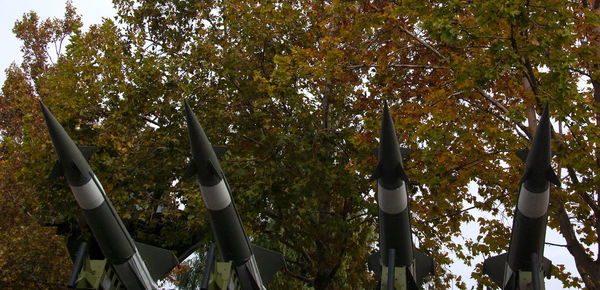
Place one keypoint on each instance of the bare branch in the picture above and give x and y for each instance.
(556, 245)
(494, 101)
(574, 246)
(502, 108)
(581, 72)
(588, 199)
(251, 139)
(451, 214)
(299, 277)
(400, 65)
(288, 259)
(421, 41)
(508, 122)
(150, 121)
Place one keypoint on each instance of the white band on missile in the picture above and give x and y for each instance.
(392, 201)
(215, 197)
(88, 196)
(531, 204)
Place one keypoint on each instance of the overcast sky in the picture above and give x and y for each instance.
(92, 12)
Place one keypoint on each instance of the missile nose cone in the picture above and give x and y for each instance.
(204, 159)
(189, 114)
(389, 170)
(76, 169)
(388, 142)
(540, 153)
(51, 122)
(543, 130)
(538, 162)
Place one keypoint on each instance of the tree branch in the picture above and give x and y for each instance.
(150, 121)
(588, 199)
(288, 244)
(421, 41)
(300, 277)
(502, 108)
(581, 72)
(251, 139)
(494, 101)
(401, 65)
(556, 245)
(451, 214)
(582, 260)
(293, 261)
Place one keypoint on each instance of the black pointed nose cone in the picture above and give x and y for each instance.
(540, 155)
(76, 169)
(390, 158)
(204, 158)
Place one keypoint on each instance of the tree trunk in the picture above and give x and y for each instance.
(587, 268)
(531, 118)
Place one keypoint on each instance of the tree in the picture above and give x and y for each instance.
(509, 58)
(294, 89)
(94, 88)
(31, 256)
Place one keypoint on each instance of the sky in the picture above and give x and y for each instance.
(92, 12)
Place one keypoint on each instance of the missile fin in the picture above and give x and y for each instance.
(190, 250)
(401, 173)
(79, 167)
(522, 154)
(525, 176)
(535, 277)
(494, 268)
(377, 172)
(404, 151)
(58, 171)
(374, 264)
(158, 260)
(190, 171)
(220, 150)
(213, 169)
(551, 175)
(269, 262)
(511, 283)
(547, 267)
(87, 151)
(423, 266)
(391, 269)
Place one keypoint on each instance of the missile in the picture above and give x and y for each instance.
(524, 265)
(112, 237)
(404, 266)
(253, 265)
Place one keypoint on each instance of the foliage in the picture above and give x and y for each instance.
(508, 58)
(294, 89)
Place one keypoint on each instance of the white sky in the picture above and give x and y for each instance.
(92, 12)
